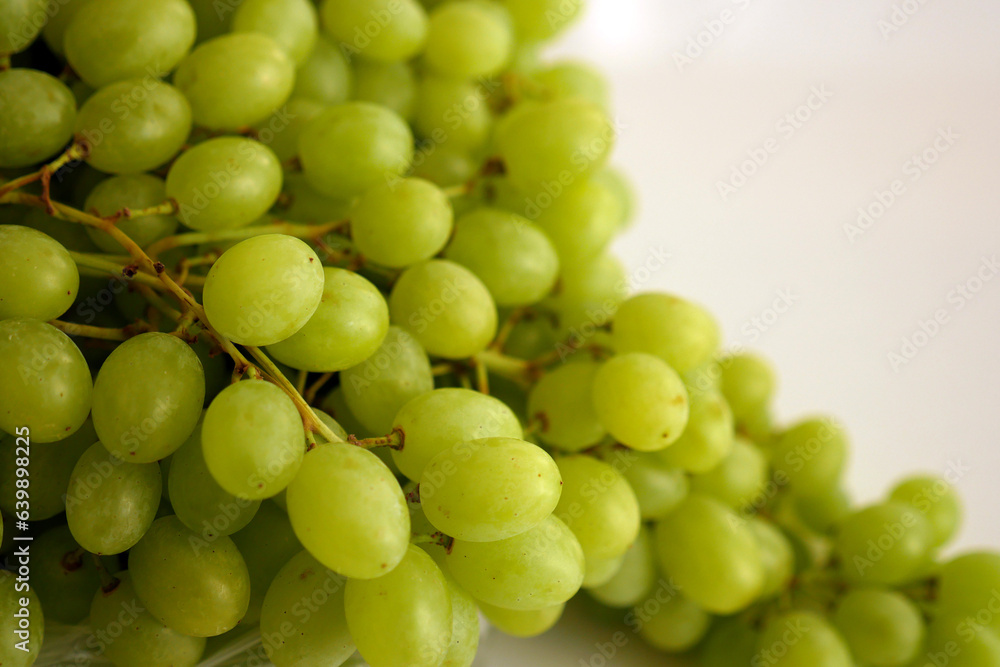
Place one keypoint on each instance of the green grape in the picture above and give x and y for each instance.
(64, 576)
(47, 386)
(211, 22)
(618, 183)
(193, 587)
(523, 624)
(708, 438)
(54, 29)
(349, 325)
(435, 421)
(802, 639)
(588, 295)
(377, 388)
(264, 289)
(811, 456)
(468, 39)
(446, 167)
(580, 222)
(111, 503)
(969, 584)
(252, 439)
(560, 402)
(540, 20)
(303, 621)
(731, 641)
(574, 80)
(534, 570)
(22, 21)
(553, 142)
(824, 512)
(12, 596)
(513, 257)
(641, 401)
(224, 183)
(678, 331)
(49, 468)
(712, 555)
(390, 85)
(148, 397)
(401, 223)
(446, 307)
(884, 544)
(38, 278)
(937, 500)
(280, 131)
(129, 636)
(598, 505)
(748, 382)
(777, 557)
(600, 571)
(267, 543)
(136, 191)
(354, 146)
(331, 502)
(308, 205)
(674, 626)
(960, 642)
(324, 74)
(452, 112)
(658, 487)
(380, 30)
(882, 628)
(738, 480)
(403, 617)
(38, 114)
(235, 80)
(489, 489)
(464, 641)
(292, 24)
(153, 131)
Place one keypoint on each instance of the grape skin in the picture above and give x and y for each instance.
(38, 118)
(38, 278)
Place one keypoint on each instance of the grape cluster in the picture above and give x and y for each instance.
(309, 322)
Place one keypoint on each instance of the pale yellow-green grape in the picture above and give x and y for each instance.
(309, 205)
(38, 278)
(446, 166)
(574, 79)
(126, 633)
(349, 325)
(598, 505)
(561, 405)
(936, 499)
(739, 481)
(435, 421)
(266, 543)
(391, 85)
(489, 489)
(468, 39)
(446, 307)
(681, 333)
(618, 183)
(673, 626)
(302, 621)
(252, 439)
(377, 388)
(354, 146)
(54, 29)
(115, 40)
(235, 80)
(148, 397)
(802, 639)
(777, 556)
(404, 617)
(641, 401)
(976, 645)
(224, 183)
(280, 131)
(153, 131)
(881, 627)
(555, 141)
(635, 578)
(47, 386)
(884, 544)
(810, 456)
(400, 223)
(523, 624)
(12, 594)
(587, 296)
(823, 513)
(195, 587)
(380, 30)
(325, 74)
(512, 256)
(658, 487)
(464, 640)
(38, 117)
(711, 554)
(600, 571)
(969, 583)
(534, 570)
(135, 191)
(264, 289)
(748, 383)
(22, 20)
(331, 503)
(63, 575)
(49, 468)
(540, 20)
(292, 24)
(581, 220)
(452, 113)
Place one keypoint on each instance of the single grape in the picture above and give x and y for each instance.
(445, 166)
(884, 544)
(802, 639)
(581, 222)
(380, 30)
(38, 278)
(435, 421)
(235, 80)
(673, 626)
(292, 24)
(252, 439)
(22, 21)
(748, 383)
(325, 75)
(739, 480)
(264, 289)
(540, 20)
(613, 179)
(452, 113)
(64, 576)
(523, 624)
(224, 183)
(777, 556)
(267, 543)
(468, 39)
(47, 386)
(16, 597)
(811, 456)
(598, 505)
(600, 571)
(560, 402)
(936, 499)
(681, 333)
(135, 191)
(708, 438)
(54, 29)
(38, 114)
(635, 578)
(882, 628)
(969, 584)
(153, 131)
(588, 294)
(464, 640)
(391, 85)
(658, 487)
(570, 79)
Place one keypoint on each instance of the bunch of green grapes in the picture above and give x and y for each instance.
(311, 340)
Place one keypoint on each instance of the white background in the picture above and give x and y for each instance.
(684, 128)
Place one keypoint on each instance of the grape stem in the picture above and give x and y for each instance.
(108, 581)
(394, 440)
(169, 207)
(516, 370)
(159, 303)
(515, 317)
(198, 238)
(108, 267)
(76, 152)
(314, 388)
(101, 333)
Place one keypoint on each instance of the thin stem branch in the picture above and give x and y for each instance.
(286, 228)
(300, 383)
(101, 333)
(314, 388)
(395, 440)
(107, 267)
